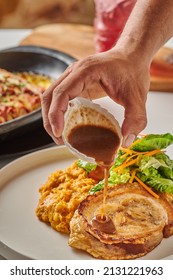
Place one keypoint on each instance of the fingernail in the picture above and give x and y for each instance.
(129, 139)
(55, 131)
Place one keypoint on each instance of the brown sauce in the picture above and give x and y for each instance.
(97, 142)
(106, 176)
(103, 224)
(101, 144)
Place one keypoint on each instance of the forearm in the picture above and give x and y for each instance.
(149, 26)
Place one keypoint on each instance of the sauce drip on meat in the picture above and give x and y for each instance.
(101, 144)
(103, 224)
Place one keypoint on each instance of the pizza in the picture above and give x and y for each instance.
(20, 93)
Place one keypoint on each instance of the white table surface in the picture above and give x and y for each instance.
(159, 104)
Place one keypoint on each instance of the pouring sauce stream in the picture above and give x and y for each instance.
(100, 143)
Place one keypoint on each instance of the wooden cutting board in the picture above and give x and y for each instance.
(74, 39)
(78, 41)
(162, 70)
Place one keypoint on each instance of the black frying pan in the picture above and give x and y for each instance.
(36, 59)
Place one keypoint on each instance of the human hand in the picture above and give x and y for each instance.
(123, 78)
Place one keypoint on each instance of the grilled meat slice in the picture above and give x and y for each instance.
(139, 222)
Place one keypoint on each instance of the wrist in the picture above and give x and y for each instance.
(134, 49)
(133, 52)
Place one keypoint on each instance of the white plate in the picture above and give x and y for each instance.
(22, 235)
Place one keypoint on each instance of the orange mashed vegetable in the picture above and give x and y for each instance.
(61, 194)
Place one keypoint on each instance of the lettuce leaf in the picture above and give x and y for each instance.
(158, 164)
(97, 187)
(154, 179)
(113, 180)
(118, 160)
(116, 178)
(166, 170)
(161, 184)
(152, 142)
(145, 162)
(154, 170)
(86, 165)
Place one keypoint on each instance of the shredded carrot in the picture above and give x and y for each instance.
(131, 157)
(138, 140)
(124, 165)
(134, 143)
(146, 187)
(124, 149)
(134, 153)
(128, 163)
(151, 153)
(132, 176)
(130, 160)
(125, 155)
(117, 168)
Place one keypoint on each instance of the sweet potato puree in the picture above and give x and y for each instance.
(61, 195)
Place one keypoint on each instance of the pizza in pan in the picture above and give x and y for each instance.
(20, 93)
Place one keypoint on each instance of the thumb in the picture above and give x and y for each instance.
(134, 122)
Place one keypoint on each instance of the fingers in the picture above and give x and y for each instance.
(135, 121)
(55, 101)
(72, 83)
(69, 88)
(46, 100)
(76, 80)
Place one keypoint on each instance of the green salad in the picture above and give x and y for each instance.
(145, 161)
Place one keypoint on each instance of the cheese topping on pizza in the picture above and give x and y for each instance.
(20, 94)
